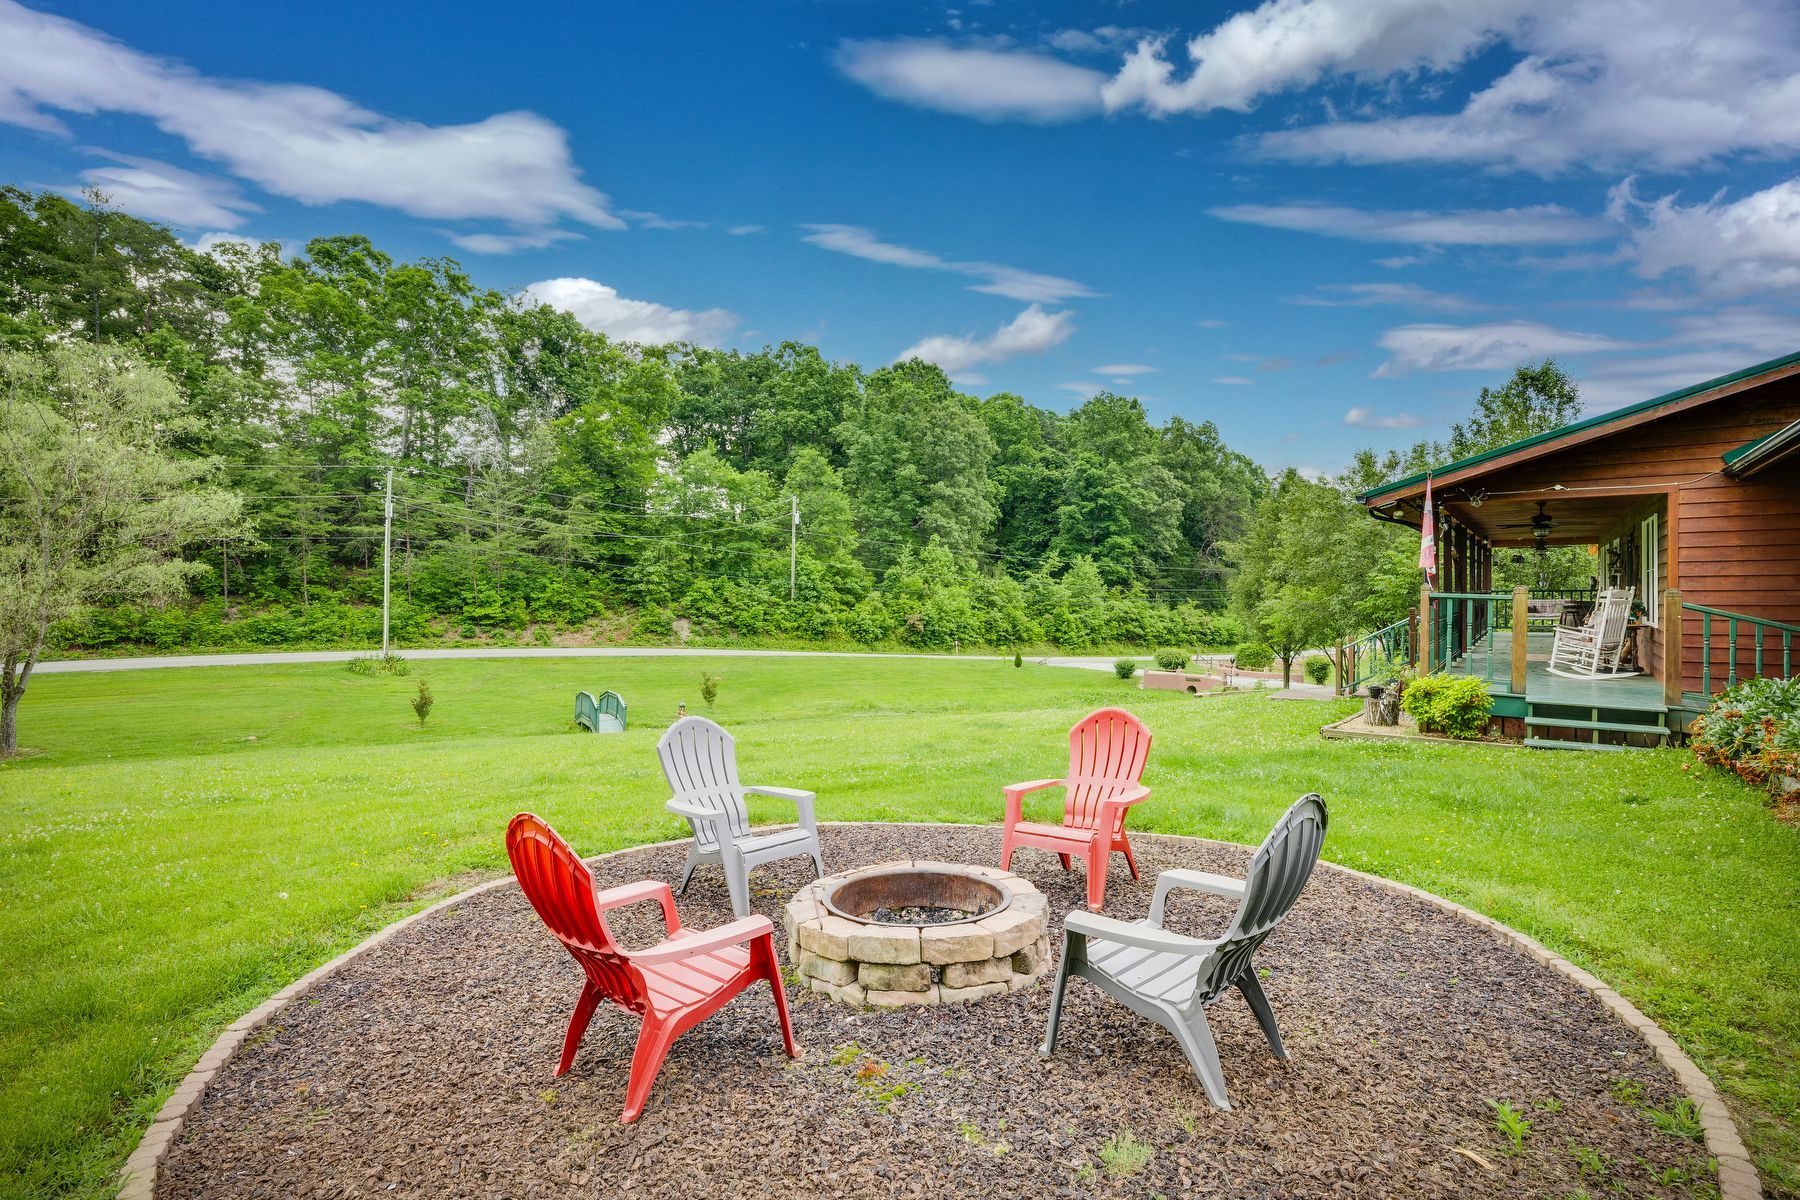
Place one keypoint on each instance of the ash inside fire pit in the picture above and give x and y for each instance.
(919, 914)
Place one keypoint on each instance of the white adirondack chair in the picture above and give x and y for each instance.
(699, 759)
(1170, 977)
(1592, 650)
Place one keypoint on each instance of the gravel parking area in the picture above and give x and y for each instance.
(422, 1069)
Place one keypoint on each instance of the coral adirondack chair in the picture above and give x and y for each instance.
(699, 759)
(1107, 751)
(674, 985)
(1170, 977)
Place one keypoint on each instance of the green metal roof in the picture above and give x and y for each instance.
(1603, 419)
(1754, 455)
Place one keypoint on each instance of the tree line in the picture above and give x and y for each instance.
(552, 483)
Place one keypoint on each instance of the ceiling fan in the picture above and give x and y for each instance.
(1539, 524)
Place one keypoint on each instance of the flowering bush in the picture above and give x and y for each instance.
(1456, 705)
(1754, 730)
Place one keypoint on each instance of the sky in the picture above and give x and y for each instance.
(1320, 224)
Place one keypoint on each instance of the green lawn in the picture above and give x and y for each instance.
(161, 872)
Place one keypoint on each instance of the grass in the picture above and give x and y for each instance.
(185, 842)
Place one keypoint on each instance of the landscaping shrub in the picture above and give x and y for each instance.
(1318, 668)
(1124, 668)
(1253, 656)
(1754, 730)
(1171, 660)
(1455, 705)
(709, 687)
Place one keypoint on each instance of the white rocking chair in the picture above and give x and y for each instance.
(1592, 650)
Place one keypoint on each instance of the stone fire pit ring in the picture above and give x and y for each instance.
(844, 941)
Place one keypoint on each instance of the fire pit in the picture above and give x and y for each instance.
(918, 933)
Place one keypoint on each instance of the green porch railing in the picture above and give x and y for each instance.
(1460, 625)
(1370, 654)
(1760, 629)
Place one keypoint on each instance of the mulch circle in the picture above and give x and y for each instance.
(423, 1067)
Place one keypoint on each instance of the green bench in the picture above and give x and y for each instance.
(605, 715)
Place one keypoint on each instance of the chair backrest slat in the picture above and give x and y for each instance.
(1107, 752)
(1615, 614)
(561, 889)
(1278, 874)
(699, 759)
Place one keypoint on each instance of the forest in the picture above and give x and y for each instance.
(553, 486)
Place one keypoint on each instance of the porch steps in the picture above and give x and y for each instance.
(1542, 715)
(1610, 726)
(1557, 744)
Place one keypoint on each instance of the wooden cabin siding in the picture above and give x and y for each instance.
(1728, 544)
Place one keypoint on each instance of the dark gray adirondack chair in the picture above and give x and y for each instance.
(1171, 978)
(699, 759)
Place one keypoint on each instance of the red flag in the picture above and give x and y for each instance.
(1428, 539)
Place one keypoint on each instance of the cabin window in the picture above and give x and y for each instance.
(1649, 573)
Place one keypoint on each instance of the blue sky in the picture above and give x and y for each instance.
(1319, 223)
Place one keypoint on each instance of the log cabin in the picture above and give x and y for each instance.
(1691, 499)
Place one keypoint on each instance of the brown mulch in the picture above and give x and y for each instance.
(423, 1068)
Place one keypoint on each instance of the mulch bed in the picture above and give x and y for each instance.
(423, 1068)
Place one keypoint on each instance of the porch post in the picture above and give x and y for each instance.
(1672, 665)
(1425, 630)
(1520, 631)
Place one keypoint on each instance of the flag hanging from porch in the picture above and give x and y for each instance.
(1428, 539)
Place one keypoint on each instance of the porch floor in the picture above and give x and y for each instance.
(1490, 658)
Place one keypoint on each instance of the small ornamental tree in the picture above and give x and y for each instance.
(93, 507)
(422, 702)
(709, 687)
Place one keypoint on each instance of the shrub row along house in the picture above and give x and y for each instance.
(1690, 499)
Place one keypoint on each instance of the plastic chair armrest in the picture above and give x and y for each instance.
(1192, 881)
(1015, 797)
(697, 812)
(801, 798)
(735, 934)
(634, 893)
(1134, 933)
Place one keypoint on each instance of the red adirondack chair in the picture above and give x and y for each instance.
(674, 985)
(1107, 750)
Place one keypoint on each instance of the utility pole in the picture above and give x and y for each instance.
(793, 542)
(387, 556)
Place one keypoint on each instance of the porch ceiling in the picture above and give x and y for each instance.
(1576, 519)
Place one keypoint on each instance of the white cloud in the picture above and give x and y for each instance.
(1031, 332)
(1491, 346)
(650, 220)
(1211, 323)
(745, 230)
(305, 143)
(992, 84)
(157, 191)
(1370, 295)
(1288, 44)
(1368, 418)
(1536, 224)
(996, 279)
(603, 310)
(506, 243)
(1124, 369)
(1745, 245)
(1235, 380)
(1665, 83)
(1082, 387)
